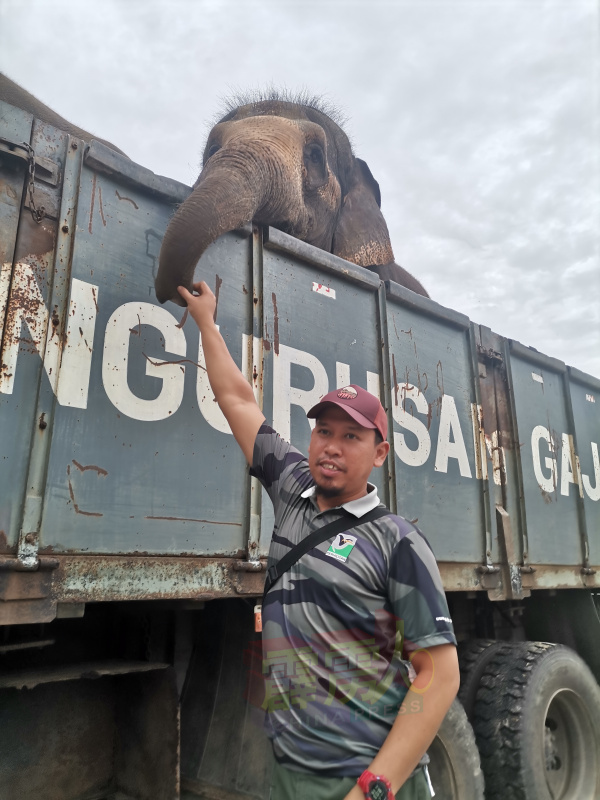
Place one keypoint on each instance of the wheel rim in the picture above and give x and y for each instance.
(441, 771)
(568, 748)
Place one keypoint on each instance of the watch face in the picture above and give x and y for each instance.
(378, 791)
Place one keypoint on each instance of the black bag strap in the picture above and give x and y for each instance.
(315, 538)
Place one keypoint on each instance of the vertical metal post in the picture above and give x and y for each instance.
(517, 450)
(583, 532)
(256, 379)
(485, 496)
(29, 538)
(386, 389)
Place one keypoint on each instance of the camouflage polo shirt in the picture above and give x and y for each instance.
(338, 626)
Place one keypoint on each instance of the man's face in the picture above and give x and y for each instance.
(341, 456)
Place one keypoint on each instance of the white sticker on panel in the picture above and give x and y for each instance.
(321, 289)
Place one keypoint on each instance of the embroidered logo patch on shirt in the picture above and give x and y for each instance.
(341, 547)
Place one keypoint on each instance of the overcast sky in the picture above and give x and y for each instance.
(479, 119)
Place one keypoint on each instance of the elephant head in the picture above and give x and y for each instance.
(288, 165)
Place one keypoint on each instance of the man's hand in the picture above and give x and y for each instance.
(437, 682)
(202, 305)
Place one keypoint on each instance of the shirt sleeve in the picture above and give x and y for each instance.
(272, 461)
(417, 595)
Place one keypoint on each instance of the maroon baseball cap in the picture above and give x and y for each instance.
(361, 405)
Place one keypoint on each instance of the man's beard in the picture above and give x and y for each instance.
(322, 491)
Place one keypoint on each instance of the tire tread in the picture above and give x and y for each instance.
(499, 716)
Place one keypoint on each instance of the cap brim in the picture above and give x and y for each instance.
(314, 412)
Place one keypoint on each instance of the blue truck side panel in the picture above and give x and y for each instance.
(117, 470)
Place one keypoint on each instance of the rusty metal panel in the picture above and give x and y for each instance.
(15, 126)
(585, 402)
(141, 459)
(320, 332)
(550, 483)
(83, 578)
(26, 289)
(437, 447)
(117, 466)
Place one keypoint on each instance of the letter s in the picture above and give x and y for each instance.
(417, 457)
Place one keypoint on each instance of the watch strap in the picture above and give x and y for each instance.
(366, 781)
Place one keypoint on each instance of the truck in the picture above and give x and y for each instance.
(133, 540)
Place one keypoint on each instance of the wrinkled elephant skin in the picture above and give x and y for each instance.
(289, 166)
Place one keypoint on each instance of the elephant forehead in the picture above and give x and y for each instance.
(339, 151)
(270, 108)
(295, 132)
(296, 112)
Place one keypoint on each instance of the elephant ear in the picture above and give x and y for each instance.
(361, 234)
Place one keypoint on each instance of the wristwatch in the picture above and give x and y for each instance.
(375, 787)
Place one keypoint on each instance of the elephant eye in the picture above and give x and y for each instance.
(314, 164)
(315, 155)
(214, 148)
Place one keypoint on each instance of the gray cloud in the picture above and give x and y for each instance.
(479, 120)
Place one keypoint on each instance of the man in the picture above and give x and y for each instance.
(357, 633)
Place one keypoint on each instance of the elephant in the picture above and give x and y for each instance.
(282, 161)
(15, 95)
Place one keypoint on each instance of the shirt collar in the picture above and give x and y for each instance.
(356, 507)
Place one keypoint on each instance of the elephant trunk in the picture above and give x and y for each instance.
(224, 198)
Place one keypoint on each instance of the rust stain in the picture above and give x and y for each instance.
(275, 324)
(3, 541)
(183, 319)
(440, 376)
(83, 468)
(26, 304)
(178, 361)
(100, 206)
(133, 331)
(244, 290)
(191, 519)
(55, 322)
(36, 240)
(128, 199)
(75, 506)
(395, 379)
(95, 299)
(92, 203)
(115, 577)
(218, 284)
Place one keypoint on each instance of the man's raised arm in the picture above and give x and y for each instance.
(231, 389)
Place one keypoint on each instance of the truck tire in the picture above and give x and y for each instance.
(454, 766)
(537, 724)
(473, 658)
